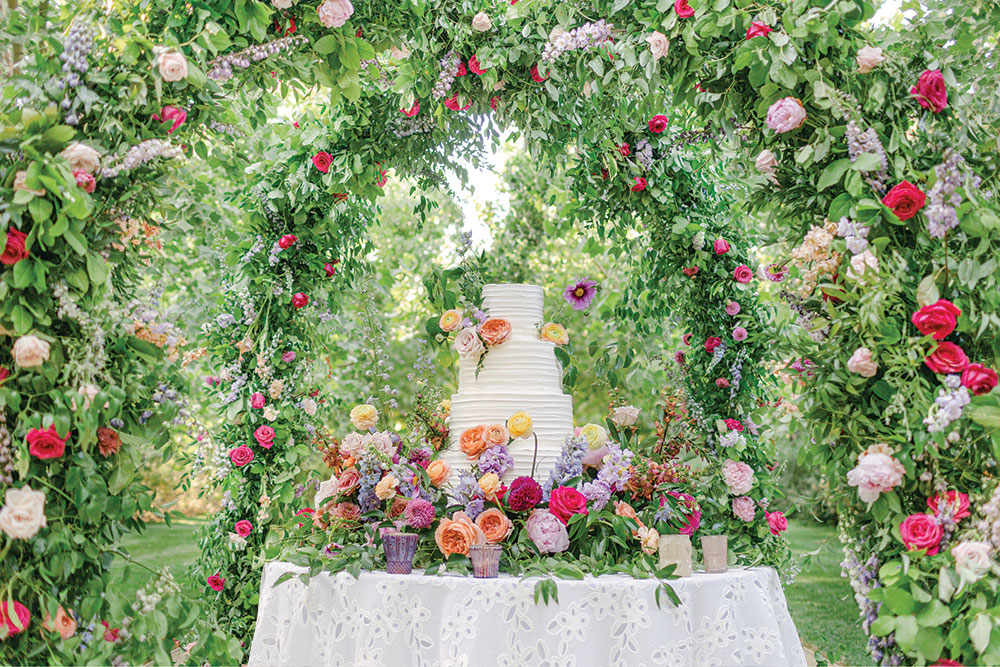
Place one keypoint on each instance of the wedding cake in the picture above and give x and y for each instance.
(519, 375)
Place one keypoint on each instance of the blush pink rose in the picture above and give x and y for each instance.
(921, 531)
(257, 400)
(334, 13)
(738, 477)
(875, 474)
(348, 481)
(744, 508)
(785, 115)
(566, 501)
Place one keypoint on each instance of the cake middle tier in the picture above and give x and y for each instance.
(527, 363)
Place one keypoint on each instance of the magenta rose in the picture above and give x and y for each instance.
(733, 424)
(287, 241)
(322, 160)
(640, 184)
(979, 379)
(683, 9)
(240, 456)
(566, 501)
(905, 200)
(46, 444)
(216, 583)
(758, 29)
(547, 532)
(777, 522)
(243, 528)
(171, 114)
(711, 343)
(947, 358)
(657, 123)
(930, 91)
(721, 246)
(264, 436)
(921, 531)
(937, 319)
(257, 401)
(299, 300)
(743, 274)
(7, 620)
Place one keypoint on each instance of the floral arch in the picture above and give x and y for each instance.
(679, 125)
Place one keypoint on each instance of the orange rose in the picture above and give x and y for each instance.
(439, 471)
(495, 525)
(472, 442)
(624, 509)
(64, 624)
(495, 330)
(490, 484)
(496, 435)
(457, 534)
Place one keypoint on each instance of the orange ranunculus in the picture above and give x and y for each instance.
(439, 471)
(495, 525)
(472, 443)
(496, 435)
(624, 509)
(457, 534)
(495, 330)
(64, 624)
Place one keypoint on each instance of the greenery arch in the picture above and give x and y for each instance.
(714, 70)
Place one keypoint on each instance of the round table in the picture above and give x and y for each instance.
(738, 618)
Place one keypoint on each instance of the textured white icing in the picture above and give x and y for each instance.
(522, 374)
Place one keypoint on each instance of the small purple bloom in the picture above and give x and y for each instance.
(496, 460)
(739, 333)
(288, 357)
(581, 294)
(331, 549)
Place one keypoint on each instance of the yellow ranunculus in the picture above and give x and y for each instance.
(519, 425)
(364, 416)
(445, 407)
(595, 435)
(555, 333)
(450, 320)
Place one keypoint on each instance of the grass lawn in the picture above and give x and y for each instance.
(175, 546)
(821, 601)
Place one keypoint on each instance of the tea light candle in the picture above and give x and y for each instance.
(715, 552)
(676, 549)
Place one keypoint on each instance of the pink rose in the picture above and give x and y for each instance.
(744, 508)
(733, 424)
(875, 474)
(732, 308)
(721, 246)
(640, 184)
(738, 476)
(348, 511)
(979, 379)
(683, 9)
(240, 456)
(287, 241)
(566, 501)
(85, 181)
(334, 13)
(171, 113)
(243, 528)
(264, 436)
(257, 400)
(216, 583)
(330, 270)
(947, 358)
(657, 123)
(322, 160)
(743, 274)
(547, 532)
(722, 383)
(412, 111)
(536, 75)
(930, 91)
(348, 481)
(739, 333)
(861, 362)
(785, 115)
(299, 300)
(937, 319)
(958, 502)
(6, 617)
(758, 29)
(776, 521)
(921, 531)
(15, 250)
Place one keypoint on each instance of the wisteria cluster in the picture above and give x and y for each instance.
(142, 153)
(449, 70)
(854, 233)
(644, 154)
(859, 142)
(943, 198)
(7, 473)
(76, 47)
(583, 37)
(405, 127)
(221, 68)
(467, 492)
(948, 405)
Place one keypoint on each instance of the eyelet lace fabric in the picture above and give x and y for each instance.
(738, 618)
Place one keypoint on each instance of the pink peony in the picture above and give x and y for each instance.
(743, 274)
(566, 501)
(875, 473)
(243, 528)
(739, 333)
(547, 532)
(744, 508)
(334, 13)
(721, 246)
(732, 308)
(738, 477)
(776, 521)
(921, 531)
(785, 115)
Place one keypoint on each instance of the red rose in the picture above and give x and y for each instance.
(690, 271)
(721, 246)
(4, 373)
(979, 379)
(287, 241)
(565, 502)
(743, 274)
(413, 110)
(452, 103)
(683, 9)
(240, 456)
(921, 531)
(777, 522)
(494, 101)
(322, 160)
(535, 76)
(905, 200)
(711, 343)
(330, 269)
(243, 528)
(657, 123)
(758, 29)
(15, 249)
(947, 358)
(686, 338)
(938, 319)
(46, 444)
(930, 91)
(733, 424)
(475, 67)
(85, 181)
(958, 502)
(299, 300)
(625, 150)
(640, 184)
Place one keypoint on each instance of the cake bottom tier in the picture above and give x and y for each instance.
(551, 414)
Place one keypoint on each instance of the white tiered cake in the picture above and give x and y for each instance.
(522, 374)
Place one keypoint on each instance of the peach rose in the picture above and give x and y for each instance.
(439, 471)
(471, 442)
(30, 351)
(496, 435)
(81, 157)
(457, 534)
(495, 330)
(64, 623)
(490, 484)
(626, 510)
(386, 487)
(495, 525)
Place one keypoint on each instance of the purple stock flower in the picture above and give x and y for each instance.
(581, 294)
(496, 460)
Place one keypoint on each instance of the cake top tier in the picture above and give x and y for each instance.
(524, 303)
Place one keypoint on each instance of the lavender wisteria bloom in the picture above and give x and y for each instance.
(568, 465)
(583, 37)
(581, 293)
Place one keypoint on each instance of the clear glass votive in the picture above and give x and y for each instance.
(485, 561)
(676, 549)
(399, 551)
(715, 552)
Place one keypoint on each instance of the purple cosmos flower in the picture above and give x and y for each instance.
(581, 294)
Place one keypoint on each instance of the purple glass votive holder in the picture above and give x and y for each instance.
(485, 561)
(399, 551)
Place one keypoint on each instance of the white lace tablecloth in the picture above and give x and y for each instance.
(725, 620)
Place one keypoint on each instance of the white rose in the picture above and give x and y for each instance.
(467, 344)
(20, 183)
(658, 44)
(327, 489)
(481, 22)
(309, 405)
(380, 441)
(860, 265)
(868, 58)
(972, 560)
(173, 66)
(282, 4)
(399, 52)
(625, 415)
(30, 351)
(352, 444)
(334, 13)
(82, 157)
(270, 414)
(23, 515)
